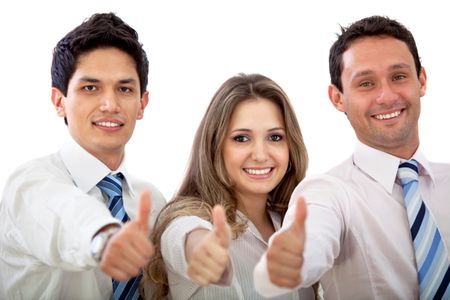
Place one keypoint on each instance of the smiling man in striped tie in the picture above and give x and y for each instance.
(75, 224)
(377, 225)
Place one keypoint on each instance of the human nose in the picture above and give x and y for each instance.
(110, 103)
(387, 95)
(259, 151)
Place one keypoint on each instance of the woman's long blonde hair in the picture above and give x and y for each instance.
(207, 183)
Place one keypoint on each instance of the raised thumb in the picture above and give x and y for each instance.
(144, 210)
(221, 227)
(298, 225)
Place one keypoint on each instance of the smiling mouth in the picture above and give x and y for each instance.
(392, 115)
(258, 171)
(108, 124)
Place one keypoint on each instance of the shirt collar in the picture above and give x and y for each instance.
(85, 169)
(274, 216)
(382, 167)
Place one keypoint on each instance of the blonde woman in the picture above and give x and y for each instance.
(247, 157)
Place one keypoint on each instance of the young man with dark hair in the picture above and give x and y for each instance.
(378, 224)
(73, 226)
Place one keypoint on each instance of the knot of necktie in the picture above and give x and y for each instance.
(408, 172)
(111, 185)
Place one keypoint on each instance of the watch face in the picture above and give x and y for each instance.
(98, 243)
(97, 246)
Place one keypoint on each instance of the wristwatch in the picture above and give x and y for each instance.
(99, 242)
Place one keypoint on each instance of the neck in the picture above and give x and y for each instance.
(254, 208)
(404, 153)
(112, 161)
(110, 157)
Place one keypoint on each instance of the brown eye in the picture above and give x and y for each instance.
(89, 88)
(275, 137)
(398, 77)
(126, 89)
(366, 84)
(240, 138)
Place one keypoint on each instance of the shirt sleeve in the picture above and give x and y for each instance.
(324, 226)
(173, 246)
(50, 219)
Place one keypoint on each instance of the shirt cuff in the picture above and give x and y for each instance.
(173, 241)
(91, 230)
(262, 282)
(173, 252)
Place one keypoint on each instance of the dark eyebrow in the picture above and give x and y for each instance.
(249, 130)
(95, 80)
(400, 66)
(362, 73)
(88, 79)
(393, 67)
(128, 80)
(276, 128)
(241, 129)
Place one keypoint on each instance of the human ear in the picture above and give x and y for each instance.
(57, 97)
(143, 103)
(336, 97)
(423, 82)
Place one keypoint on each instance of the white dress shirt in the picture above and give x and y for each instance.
(358, 241)
(50, 210)
(245, 252)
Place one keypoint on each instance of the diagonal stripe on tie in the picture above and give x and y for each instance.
(418, 221)
(114, 205)
(431, 258)
(112, 187)
(112, 184)
(443, 291)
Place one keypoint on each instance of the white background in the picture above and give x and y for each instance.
(193, 46)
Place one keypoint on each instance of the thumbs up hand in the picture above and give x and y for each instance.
(207, 251)
(130, 249)
(285, 253)
(143, 214)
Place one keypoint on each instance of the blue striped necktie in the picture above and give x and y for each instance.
(431, 258)
(112, 187)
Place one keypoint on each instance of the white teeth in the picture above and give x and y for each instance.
(257, 172)
(388, 116)
(107, 124)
